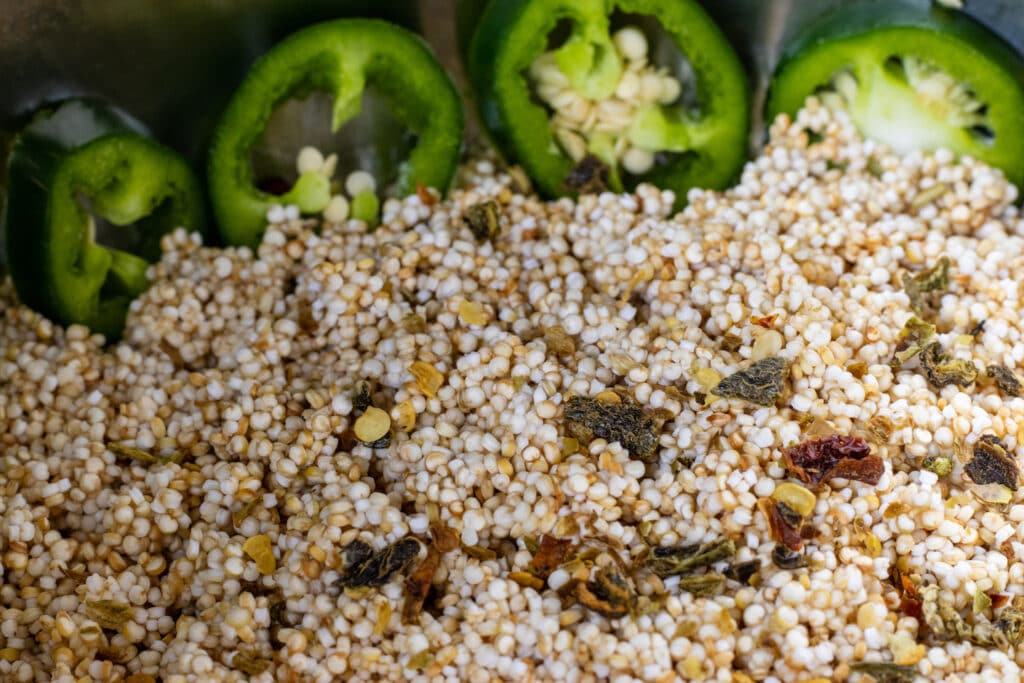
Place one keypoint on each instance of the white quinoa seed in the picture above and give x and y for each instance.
(246, 363)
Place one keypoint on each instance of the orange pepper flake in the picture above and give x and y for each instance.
(426, 195)
(767, 321)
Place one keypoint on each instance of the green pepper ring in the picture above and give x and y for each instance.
(337, 57)
(84, 147)
(512, 33)
(865, 35)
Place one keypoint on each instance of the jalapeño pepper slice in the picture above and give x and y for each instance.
(650, 88)
(912, 78)
(81, 161)
(339, 58)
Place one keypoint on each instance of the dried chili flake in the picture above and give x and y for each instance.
(674, 560)
(941, 369)
(444, 537)
(886, 672)
(551, 553)
(992, 464)
(606, 592)
(1005, 379)
(816, 461)
(760, 383)
(589, 176)
(911, 340)
(426, 194)
(780, 529)
(418, 583)
(587, 418)
(363, 567)
(766, 321)
(918, 286)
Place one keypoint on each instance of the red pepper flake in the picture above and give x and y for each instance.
(999, 600)
(816, 461)
(780, 530)
(910, 601)
(767, 321)
(551, 552)
(426, 195)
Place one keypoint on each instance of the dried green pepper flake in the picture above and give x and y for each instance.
(941, 465)
(886, 672)
(363, 567)
(124, 451)
(761, 383)
(558, 341)
(926, 197)
(249, 662)
(786, 558)
(420, 660)
(673, 560)
(482, 220)
(588, 418)
(702, 584)
(945, 622)
(109, 614)
(1005, 379)
(992, 464)
(414, 323)
(589, 176)
(911, 340)
(981, 602)
(731, 342)
(744, 572)
(875, 167)
(941, 369)
(916, 287)
(607, 592)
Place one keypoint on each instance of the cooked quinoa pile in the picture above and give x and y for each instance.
(423, 453)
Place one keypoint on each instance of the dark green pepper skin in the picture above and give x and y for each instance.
(336, 57)
(863, 35)
(512, 33)
(84, 149)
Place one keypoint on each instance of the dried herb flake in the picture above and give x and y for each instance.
(607, 592)
(1005, 379)
(675, 560)
(760, 383)
(109, 614)
(992, 464)
(551, 553)
(587, 418)
(886, 672)
(917, 287)
(703, 584)
(363, 567)
(589, 176)
(482, 220)
(941, 369)
(911, 340)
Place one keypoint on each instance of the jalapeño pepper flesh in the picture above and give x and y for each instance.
(691, 133)
(913, 78)
(79, 156)
(339, 58)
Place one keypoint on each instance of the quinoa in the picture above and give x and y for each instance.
(241, 376)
